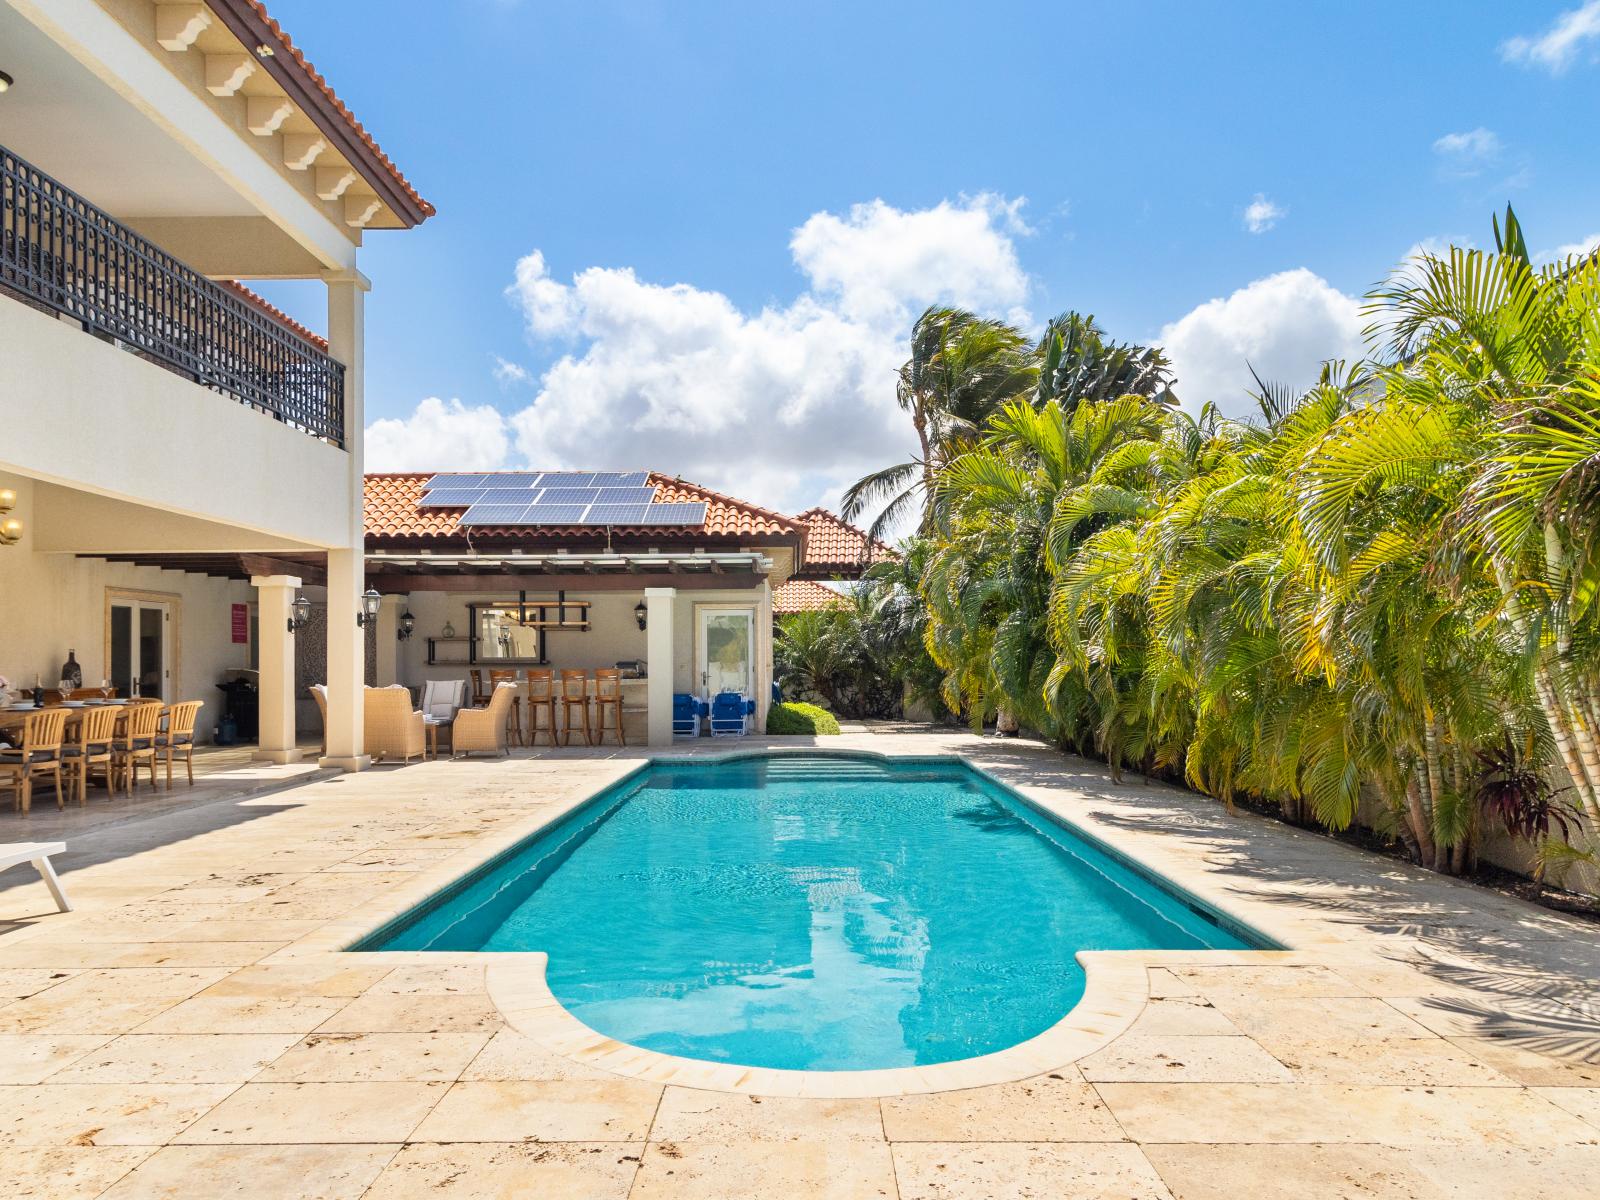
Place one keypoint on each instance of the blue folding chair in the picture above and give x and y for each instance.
(729, 713)
(686, 713)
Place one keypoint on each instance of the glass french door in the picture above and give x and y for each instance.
(726, 650)
(141, 648)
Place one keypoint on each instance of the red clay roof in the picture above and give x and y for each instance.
(392, 514)
(276, 313)
(251, 16)
(803, 595)
(836, 547)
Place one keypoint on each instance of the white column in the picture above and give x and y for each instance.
(763, 663)
(274, 596)
(347, 564)
(388, 663)
(659, 605)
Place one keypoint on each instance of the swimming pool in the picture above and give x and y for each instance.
(809, 911)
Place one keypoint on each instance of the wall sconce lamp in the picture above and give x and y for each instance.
(370, 603)
(302, 614)
(10, 528)
(5, 82)
(408, 626)
(640, 612)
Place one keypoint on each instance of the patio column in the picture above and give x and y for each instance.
(659, 612)
(347, 564)
(388, 651)
(274, 596)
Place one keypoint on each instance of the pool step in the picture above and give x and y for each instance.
(843, 771)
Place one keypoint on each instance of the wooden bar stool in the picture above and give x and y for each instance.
(480, 694)
(514, 717)
(91, 751)
(39, 754)
(608, 698)
(575, 695)
(541, 699)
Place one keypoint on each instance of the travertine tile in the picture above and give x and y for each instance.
(17, 982)
(273, 1113)
(378, 1012)
(377, 1057)
(1024, 1171)
(243, 1014)
(102, 1114)
(453, 980)
(844, 1170)
(689, 1114)
(1311, 1113)
(1181, 1059)
(47, 952)
(105, 1001)
(1536, 1061)
(1182, 1015)
(339, 977)
(32, 1057)
(510, 1055)
(1043, 1109)
(67, 1172)
(543, 1111)
(177, 1058)
(1323, 1172)
(1422, 1061)
(1582, 1102)
(1228, 982)
(251, 1172)
(1317, 1018)
(498, 1171)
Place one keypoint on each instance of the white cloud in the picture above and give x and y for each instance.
(785, 405)
(1284, 326)
(1467, 153)
(442, 435)
(1262, 214)
(507, 372)
(1557, 47)
(1579, 249)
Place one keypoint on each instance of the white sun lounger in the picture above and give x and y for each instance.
(38, 853)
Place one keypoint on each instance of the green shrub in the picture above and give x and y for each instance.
(801, 718)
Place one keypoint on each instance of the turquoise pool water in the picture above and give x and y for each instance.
(809, 911)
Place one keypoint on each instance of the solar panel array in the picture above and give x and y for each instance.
(558, 498)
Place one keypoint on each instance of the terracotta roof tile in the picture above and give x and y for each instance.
(836, 547)
(293, 54)
(392, 512)
(276, 313)
(803, 595)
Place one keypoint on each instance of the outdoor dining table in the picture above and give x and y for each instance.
(13, 719)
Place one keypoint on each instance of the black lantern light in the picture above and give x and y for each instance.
(408, 625)
(640, 612)
(370, 603)
(302, 614)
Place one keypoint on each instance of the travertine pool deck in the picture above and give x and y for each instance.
(191, 1030)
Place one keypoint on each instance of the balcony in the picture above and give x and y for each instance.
(62, 254)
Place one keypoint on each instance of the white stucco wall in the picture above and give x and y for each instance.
(52, 603)
(78, 411)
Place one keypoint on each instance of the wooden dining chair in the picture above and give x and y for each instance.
(541, 699)
(135, 740)
(90, 751)
(575, 695)
(39, 754)
(608, 698)
(480, 694)
(179, 737)
(514, 717)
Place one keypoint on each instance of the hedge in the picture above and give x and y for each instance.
(801, 718)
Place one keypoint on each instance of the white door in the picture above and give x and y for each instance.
(726, 650)
(141, 648)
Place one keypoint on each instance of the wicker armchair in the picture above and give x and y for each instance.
(484, 729)
(393, 728)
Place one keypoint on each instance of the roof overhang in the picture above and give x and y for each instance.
(597, 570)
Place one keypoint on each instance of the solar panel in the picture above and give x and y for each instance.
(625, 495)
(484, 513)
(567, 479)
(616, 514)
(676, 513)
(554, 514)
(604, 479)
(569, 495)
(457, 481)
(509, 495)
(451, 497)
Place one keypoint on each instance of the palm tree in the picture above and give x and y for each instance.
(1077, 363)
(962, 369)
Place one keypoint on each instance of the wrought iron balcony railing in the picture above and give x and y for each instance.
(63, 254)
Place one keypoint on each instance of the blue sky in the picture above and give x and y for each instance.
(1020, 158)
